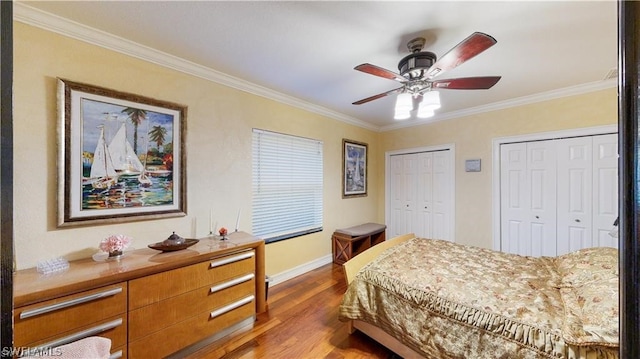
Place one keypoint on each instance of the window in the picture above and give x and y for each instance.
(287, 185)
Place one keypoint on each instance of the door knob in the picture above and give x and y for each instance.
(577, 220)
(537, 217)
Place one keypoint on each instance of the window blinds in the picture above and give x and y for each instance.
(287, 185)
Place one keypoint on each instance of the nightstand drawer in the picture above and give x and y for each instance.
(152, 318)
(40, 321)
(157, 287)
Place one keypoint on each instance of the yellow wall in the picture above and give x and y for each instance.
(473, 137)
(218, 146)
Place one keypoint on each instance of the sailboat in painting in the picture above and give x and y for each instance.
(103, 174)
(144, 180)
(125, 160)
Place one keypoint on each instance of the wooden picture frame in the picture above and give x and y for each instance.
(354, 168)
(121, 157)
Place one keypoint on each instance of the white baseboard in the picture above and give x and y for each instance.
(278, 278)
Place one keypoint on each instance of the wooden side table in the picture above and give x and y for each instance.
(349, 242)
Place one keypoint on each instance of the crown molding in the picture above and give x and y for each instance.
(520, 101)
(38, 18)
(47, 21)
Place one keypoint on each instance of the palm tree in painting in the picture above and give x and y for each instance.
(157, 135)
(136, 116)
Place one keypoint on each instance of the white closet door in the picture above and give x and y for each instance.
(424, 189)
(403, 194)
(541, 172)
(441, 188)
(514, 201)
(561, 198)
(420, 186)
(575, 194)
(605, 185)
(528, 184)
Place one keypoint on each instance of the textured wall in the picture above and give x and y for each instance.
(218, 146)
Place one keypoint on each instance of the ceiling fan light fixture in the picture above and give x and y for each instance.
(417, 72)
(431, 100)
(404, 105)
(404, 102)
(430, 103)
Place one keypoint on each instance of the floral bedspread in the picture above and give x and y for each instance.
(446, 300)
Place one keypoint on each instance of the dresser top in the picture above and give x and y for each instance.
(29, 286)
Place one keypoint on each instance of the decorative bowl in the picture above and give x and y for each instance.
(173, 243)
(161, 246)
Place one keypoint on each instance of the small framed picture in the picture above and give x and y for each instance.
(354, 169)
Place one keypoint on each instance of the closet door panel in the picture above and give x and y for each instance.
(605, 185)
(397, 224)
(575, 196)
(424, 188)
(410, 200)
(515, 223)
(541, 173)
(403, 194)
(442, 183)
(569, 187)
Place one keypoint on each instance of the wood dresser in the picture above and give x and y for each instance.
(150, 304)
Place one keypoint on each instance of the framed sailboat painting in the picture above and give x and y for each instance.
(354, 169)
(121, 156)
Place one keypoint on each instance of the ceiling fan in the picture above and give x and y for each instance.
(419, 69)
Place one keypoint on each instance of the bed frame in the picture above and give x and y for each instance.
(351, 268)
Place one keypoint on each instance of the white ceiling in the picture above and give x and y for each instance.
(306, 50)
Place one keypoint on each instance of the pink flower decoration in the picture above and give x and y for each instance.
(115, 243)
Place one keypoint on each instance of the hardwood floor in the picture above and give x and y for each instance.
(301, 322)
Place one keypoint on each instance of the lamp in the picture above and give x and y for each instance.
(430, 103)
(404, 105)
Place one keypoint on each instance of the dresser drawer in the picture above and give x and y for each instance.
(152, 318)
(119, 352)
(42, 321)
(191, 330)
(157, 287)
(114, 328)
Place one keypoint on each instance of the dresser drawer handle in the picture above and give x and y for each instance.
(116, 355)
(83, 334)
(229, 307)
(231, 283)
(231, 259)
(69, 303)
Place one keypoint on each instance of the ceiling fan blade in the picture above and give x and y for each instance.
(467, 49)
(380, 95)
(467, 83)
(379, 71)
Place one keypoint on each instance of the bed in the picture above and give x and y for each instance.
(438, 299)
